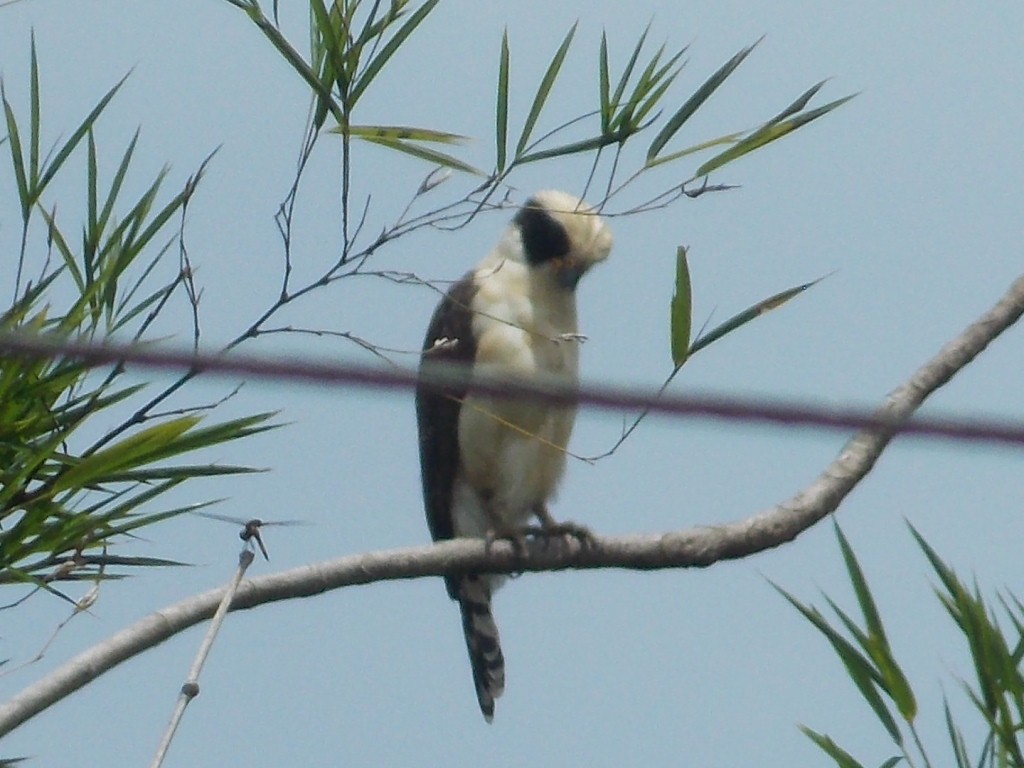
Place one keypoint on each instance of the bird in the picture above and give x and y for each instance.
(490, 465)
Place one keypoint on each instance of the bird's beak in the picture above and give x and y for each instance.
(568, 270)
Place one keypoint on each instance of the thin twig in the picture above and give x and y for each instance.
(190, 688)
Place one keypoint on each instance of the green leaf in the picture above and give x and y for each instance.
(841, 757)
(16, 156)
(751, 313)
(142, 562)
(91, 239)
(604, 84)
(388, 50)
(860, 586)
(126, 314)
(651, 86)
(131, 451)
(624, 118)
(206, 437)
(69, 146)
(333, 43)
(326, 99)
(767, 134)
(401, 133)
(877, 644)
(799, 104)
(433, 156)
(575, 147)
(34, 123)
(681, 310)
(372, 26)
(543, 90)
(691, 105)
(730, 138)
(650, 101)
(55, 237)
(627, 73)
(956, 738)
(864, 676)
(179, 473)
(501, 109)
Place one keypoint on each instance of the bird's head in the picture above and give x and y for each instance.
(562, 235)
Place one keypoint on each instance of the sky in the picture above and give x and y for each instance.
(908, 197)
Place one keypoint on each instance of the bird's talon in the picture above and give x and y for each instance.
(517, 538)
(580, 533)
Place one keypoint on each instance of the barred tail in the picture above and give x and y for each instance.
(474, 595)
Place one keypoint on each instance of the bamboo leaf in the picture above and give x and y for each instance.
(575, 147)
(372, 26)
(501, 109)
(627, 73)
(134, 450)
(216, 434)
(956, 738)
(876, 643)
(604, 84)
(401, 133)
(57, 238)
(652, 100)
(860, 670)
(141, 562)
(751, 313)
(388, 50)
(333, 44)
(539, 99)
(126, 315)
(730, 138)
(841, 757)
(766, 135)
(69, 146)
(860, 587)
(115, 185)
(124, 503)
(681, 310)
(800, 103)
(648, 92)
(185, 472)
(691, 105)
(646, 81)
(433, 156)
(294, 60)
(91, 239)
(137, 241)
(34, 121)
(16, 156)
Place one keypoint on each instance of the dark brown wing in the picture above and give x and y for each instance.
(449, 340)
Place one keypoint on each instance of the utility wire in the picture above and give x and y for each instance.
(441, 376)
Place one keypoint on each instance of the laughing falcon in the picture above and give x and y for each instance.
(489, 465)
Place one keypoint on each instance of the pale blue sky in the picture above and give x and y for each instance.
(911, 194)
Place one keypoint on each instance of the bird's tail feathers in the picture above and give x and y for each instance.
(485, 657)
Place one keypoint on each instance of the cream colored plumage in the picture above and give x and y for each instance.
(489, 465)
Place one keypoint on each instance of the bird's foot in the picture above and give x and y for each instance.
(570, 530)
(551, 528)
(514, 536)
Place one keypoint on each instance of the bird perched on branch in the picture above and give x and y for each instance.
(489, 465)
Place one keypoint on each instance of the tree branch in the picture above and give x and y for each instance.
(697, 547)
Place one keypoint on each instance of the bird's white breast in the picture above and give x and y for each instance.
(513, 452)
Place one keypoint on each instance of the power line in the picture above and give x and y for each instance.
(602, 397)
